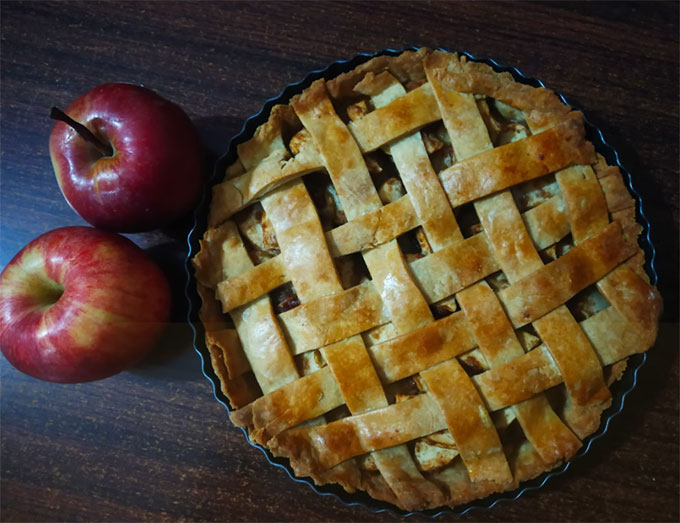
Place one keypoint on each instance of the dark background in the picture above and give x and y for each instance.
(152, 443)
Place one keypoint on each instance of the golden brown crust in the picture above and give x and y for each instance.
(554, 284)
(541, 106)
(373, 228)
(551, 150)
(403, 116)
(585, 201)
(495, 203)
(268, 137)
(469, 422)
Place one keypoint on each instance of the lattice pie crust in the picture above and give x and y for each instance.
(419, 280)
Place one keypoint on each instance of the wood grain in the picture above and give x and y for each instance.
(152, 443)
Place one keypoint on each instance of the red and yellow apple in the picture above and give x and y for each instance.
(136, 165)
(80, 304)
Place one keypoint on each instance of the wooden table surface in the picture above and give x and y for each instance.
(152, 443)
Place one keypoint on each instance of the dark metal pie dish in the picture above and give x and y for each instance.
(619, 389)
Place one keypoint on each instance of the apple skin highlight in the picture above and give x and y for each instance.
(114, 305)
(154, 176)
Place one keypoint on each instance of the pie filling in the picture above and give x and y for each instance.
(419, 280)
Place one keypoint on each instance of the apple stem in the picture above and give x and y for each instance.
(84, 132)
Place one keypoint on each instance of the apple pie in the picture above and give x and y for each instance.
(420, 280)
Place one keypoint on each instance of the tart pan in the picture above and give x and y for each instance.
(619, 390)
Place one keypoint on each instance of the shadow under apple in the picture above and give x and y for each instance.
(174, 357)
(216, 132)
(176, 342)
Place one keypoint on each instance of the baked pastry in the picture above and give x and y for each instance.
(419, 280)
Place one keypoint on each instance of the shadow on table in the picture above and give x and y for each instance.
(216, 133)
(173, 357)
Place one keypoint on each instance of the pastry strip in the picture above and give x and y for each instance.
(615, 337)
(556, 148)
(519, 379)
(461, 490)
(355, 375)
(234, 194)
(226, 340)
(339, 151)
(490, 325)
(453, 268)
(303, 245)
(420, 349)
(373, 228)
(585, 201)
(614, 189)
(290, 405)
(393, 281)
(250, 285)
(469, 422)
(240, 390)
(403, 116)
(411, 159)
(587, 392)
(579, 366)
(547, 223)
(551, 438)
(508, 236)
(333, 318)
(399, 469)
(264, 344)
(631, 231)
(555, 283)
(220, 334)
(314, 449)
(468, 133)
(226, 354)
(633, 297)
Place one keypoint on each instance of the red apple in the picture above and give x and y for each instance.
(140, 166)
(80, 304)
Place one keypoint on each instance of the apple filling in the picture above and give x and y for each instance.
(258, 233)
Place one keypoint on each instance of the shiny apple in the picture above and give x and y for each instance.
(126, 159)
(80, 304)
